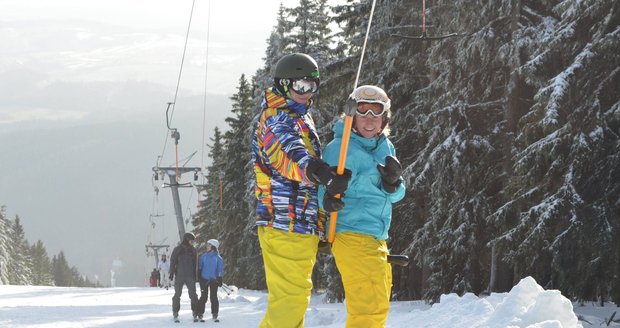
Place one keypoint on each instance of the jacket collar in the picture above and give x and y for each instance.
(273, 99)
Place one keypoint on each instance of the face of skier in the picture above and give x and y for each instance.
(300, 98)
(368, 119)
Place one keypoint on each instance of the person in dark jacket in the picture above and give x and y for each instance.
(183, 267)
(210, 277)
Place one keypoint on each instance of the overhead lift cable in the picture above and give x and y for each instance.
(174, 173)
(176, 91)
(204, 105)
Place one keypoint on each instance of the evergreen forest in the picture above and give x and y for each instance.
(22, 263)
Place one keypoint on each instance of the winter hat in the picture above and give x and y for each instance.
(214, 243)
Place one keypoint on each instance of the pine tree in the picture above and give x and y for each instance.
(63, 274)
(352, 20)
(277, 44)
(310, 30)
(206, 219)
(279, 40)
(20, 264)
(41, 265)
(5, 247)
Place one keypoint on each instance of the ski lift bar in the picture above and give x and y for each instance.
(424, 36)
(156, 249)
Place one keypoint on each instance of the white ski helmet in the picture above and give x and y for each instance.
(374, 95)
(371, 94)
(214, 243)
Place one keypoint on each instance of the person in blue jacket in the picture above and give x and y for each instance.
(365, 210)
(210, 274)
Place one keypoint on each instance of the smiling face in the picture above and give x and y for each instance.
(368, 126)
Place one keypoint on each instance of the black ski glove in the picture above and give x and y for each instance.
(331, 203)
(171, 276)
(220, 281)
(320, 172)
(390, 173)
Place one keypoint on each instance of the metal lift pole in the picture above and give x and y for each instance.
(171, 172)
(174, 187)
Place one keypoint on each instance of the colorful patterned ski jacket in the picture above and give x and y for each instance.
(284, 142)
(367, 206)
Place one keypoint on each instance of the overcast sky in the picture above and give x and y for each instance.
(47, 42)
(83, 89)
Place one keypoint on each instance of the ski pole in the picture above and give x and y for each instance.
(350, 108)
(227, 289)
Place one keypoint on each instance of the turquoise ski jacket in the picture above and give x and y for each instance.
(368, 207)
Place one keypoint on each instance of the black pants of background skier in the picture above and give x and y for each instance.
(191, 290)
(207, 286)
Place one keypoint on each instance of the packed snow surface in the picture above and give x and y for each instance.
(526, 305)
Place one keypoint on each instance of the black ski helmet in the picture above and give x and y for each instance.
(294, 66)
(189, 236)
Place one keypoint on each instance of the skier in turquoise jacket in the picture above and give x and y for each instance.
(365, 210)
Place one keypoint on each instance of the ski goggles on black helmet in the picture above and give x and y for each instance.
(305, 85)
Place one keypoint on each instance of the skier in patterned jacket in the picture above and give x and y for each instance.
(288, 169)
(359, 246)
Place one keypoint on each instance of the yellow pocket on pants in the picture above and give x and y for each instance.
(366, 276)
(289, 258)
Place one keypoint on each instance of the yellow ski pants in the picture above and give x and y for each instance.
(289, 258)
(366, 276)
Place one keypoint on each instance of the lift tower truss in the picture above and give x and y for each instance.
(174, 185)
